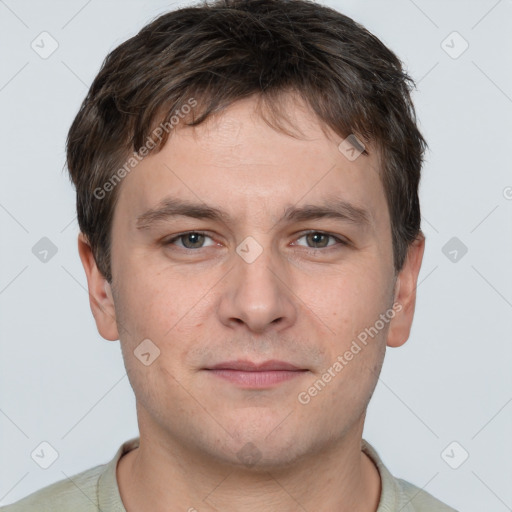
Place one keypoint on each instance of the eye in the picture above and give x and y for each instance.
(319, 240)
(196, 240)
(190, 240)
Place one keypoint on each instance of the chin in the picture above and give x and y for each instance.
(261, 449)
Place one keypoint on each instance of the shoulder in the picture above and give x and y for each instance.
(398, 494)
(77, 493)
(420, 500)
(89, 491)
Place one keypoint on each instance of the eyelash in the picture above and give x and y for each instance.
(339, 240)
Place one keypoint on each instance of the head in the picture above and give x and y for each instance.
(281, 136)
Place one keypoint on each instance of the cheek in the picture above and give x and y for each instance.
(166, 310)
(349, 299)
(353, 350)
(151, 303)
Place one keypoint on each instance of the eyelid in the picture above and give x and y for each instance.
(341, 241)
(170, 241)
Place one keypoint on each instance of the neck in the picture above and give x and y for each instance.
(163, 476)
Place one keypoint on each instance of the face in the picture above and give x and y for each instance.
(237, 246)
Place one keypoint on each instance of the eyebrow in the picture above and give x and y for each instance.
(330, 208)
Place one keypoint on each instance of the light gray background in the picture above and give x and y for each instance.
(61, 383)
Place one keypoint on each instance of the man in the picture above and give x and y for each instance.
(247, 192)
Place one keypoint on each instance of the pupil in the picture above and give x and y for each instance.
(194, 238)
(315, 238)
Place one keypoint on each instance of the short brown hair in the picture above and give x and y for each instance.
(230, 50)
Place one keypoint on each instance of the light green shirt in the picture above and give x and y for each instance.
(96, 490)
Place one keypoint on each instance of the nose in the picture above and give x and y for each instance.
(257, 296)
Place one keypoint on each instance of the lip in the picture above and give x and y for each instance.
(249, 366)
(250, 375)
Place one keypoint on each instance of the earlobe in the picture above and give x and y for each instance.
(100, 294)
(405, 294)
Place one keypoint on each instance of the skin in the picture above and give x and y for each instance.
(297, 302)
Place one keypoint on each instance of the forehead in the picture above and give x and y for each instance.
(237, 162)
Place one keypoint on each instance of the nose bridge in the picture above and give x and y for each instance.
(256, 293)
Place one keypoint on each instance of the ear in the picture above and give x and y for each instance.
(405, 294)
(100, 293)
